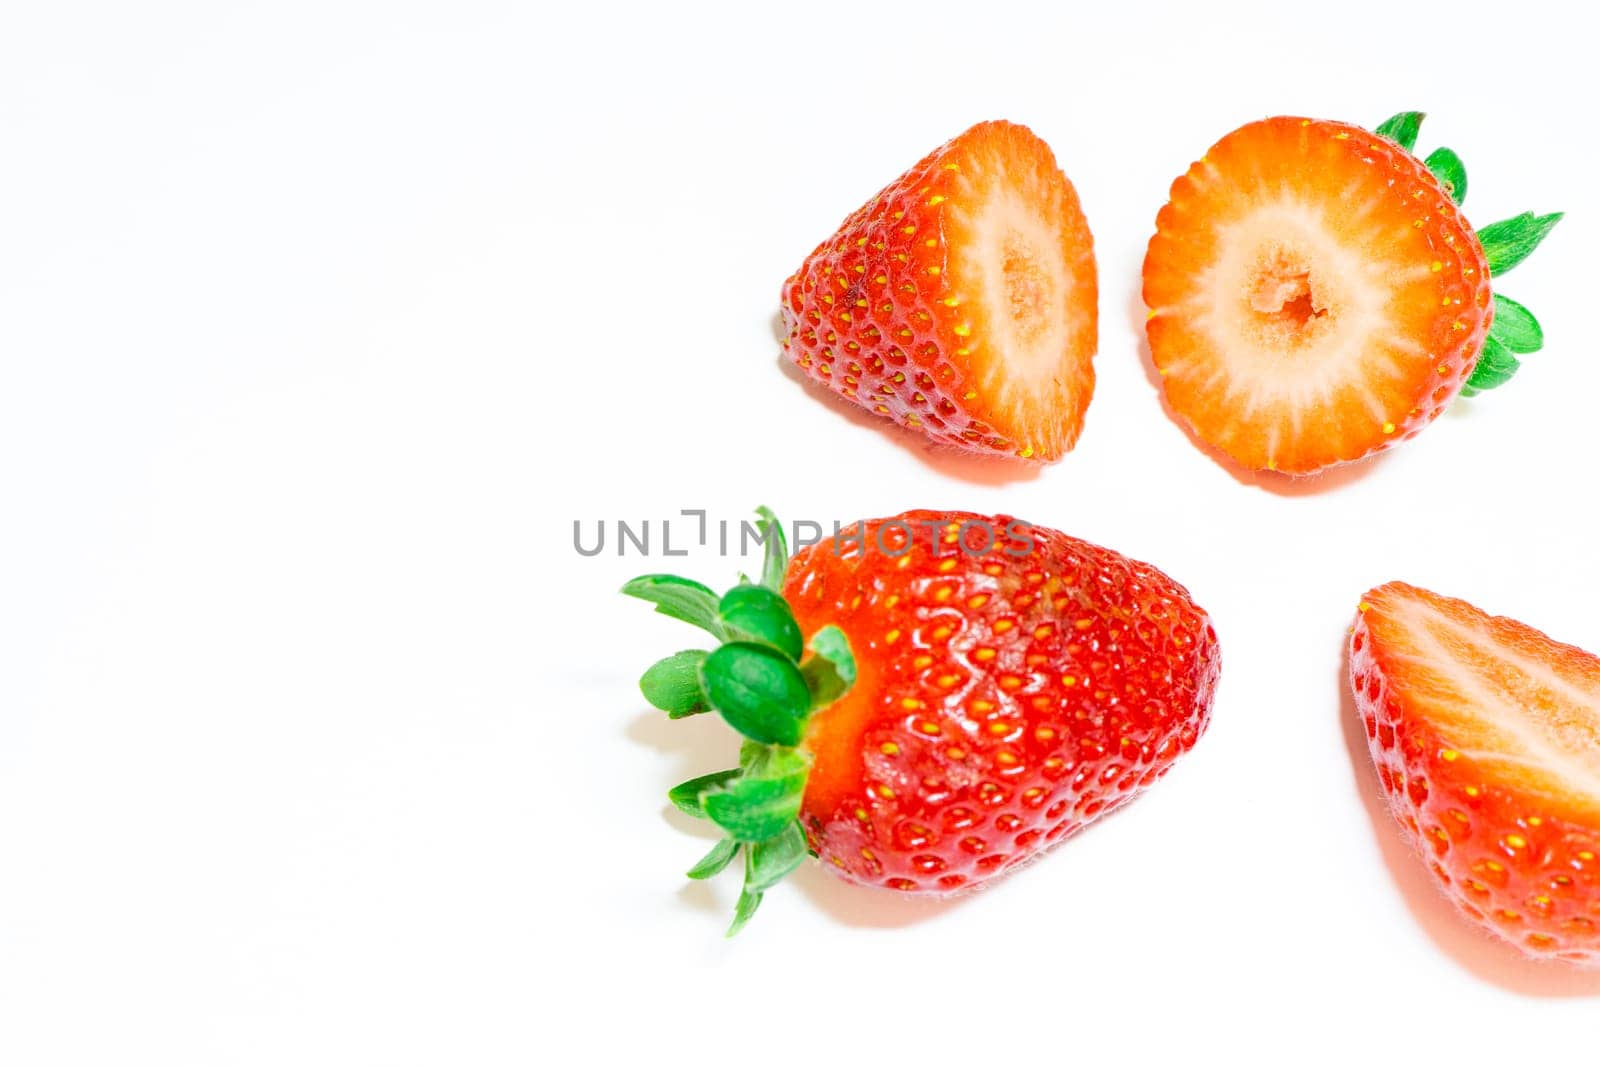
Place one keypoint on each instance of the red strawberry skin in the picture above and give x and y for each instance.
(1516, 855)
(1003, 701)
(961, 301)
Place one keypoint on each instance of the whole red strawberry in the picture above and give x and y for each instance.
(978, 688)
(1316, 295)
(960, 301)
(1486, 737)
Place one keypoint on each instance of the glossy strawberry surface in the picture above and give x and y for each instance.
(1004, 699)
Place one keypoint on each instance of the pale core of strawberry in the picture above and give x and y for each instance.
(1288, 295)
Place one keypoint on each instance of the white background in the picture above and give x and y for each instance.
(319, 326)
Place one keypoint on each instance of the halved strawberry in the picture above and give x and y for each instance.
(960, 301)
(1486, 736)
(1316, 296)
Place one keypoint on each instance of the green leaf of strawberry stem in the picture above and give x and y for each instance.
(1515, 327)
(753, 757)
(768, 862)
(777, 763)
(1451, 172)
(756, 613)
(743, 911)
(679, 598)
(686, 796)
(754, 809)
(1402, 129)
(673, 684)
(775, 558)
(831, 670)
(713, 862)
(1510, 241)
(754, 680)
(758, 690)
(1494, 368)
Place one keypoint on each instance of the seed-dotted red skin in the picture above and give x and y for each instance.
(1521, 862)
(1003, 701)
(1387, 226)
(905, 312)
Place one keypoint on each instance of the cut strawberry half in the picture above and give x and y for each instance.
(1486, 737)
(960, 301)
(1316, 296)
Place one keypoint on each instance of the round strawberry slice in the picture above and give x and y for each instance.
(1315, 294)
(1486, 737)
(930, 700)
(960, 301)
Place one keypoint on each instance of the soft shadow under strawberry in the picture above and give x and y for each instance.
(700, 746)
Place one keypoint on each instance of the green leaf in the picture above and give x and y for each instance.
(1515, 327)
(712, 863)
(673, 684)
(756, 613)
(776, 559)
(1402, 129)
(756, 808)
(1468, 391)
(831, 670)
(753, 756)
(766, 863)
(678, 598)
(1495, 366)
(1451, 172)
(774, 762)
(759, 691)
(744, 910)
(686, 796)
(1510, 241)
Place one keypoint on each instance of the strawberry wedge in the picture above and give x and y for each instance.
(960, 301)
(1486, 738)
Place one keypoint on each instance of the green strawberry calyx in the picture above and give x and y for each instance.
(763, 683)
(1513, 331)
